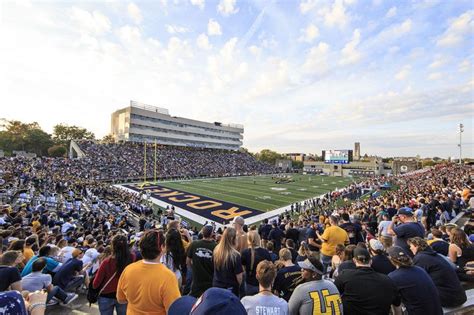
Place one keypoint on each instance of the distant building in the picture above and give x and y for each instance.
(373, 167)
(357, 151)
(300, 157)
(405, 165)
(284, 165)
(141, 122)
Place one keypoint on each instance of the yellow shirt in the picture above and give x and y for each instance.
(148, 288)
(333, 236)
(35, 225)
(27, 254)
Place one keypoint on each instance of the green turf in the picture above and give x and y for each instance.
(261, 196)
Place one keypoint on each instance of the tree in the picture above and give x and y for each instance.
(268, 156)
(298, 165)
(57, 151)
(108, 139)
(29, 137)
(63, 134)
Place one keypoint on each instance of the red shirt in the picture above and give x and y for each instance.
(105, 272)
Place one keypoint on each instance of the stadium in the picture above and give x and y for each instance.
(290, 158)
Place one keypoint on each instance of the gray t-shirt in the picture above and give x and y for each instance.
(261, 304)
(383, 228)
(35, 281)
(315, 297)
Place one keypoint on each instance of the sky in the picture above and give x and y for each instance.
(301, 76)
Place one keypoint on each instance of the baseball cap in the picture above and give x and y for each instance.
(182, 306)
(312, 264)
(396, 252)
(375, 244)
(361, 254)
(214, 301)
(239, 221)
(405, 211)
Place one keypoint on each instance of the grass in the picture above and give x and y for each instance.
(261, 192)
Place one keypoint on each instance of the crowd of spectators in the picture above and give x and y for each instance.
(391, 252)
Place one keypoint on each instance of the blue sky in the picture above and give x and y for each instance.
(301, 76)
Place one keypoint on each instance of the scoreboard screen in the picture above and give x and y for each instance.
(337, 156)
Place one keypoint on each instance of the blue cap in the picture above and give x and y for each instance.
(182, 306)
(405, 211)
(217, 301)
(471, 238)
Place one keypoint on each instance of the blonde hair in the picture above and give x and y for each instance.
(254, 242)
(225, 251)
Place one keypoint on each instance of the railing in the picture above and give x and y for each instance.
(150, 108)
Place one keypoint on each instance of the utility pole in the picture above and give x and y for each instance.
(461, 130)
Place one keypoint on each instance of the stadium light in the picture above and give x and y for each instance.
(461, 130)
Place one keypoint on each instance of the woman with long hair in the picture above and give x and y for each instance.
(251, 256)
(174, 256)
(461, 252)
(108, 274)
(227, 263)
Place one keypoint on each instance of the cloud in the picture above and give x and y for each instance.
(403, 73)
(307, 5)
(94, 23)
(438, 61)
(465, 66)
(174, 29)
(256, 51)
(317, 59)
(434, 76)
(309, 33)
(198, 3)
(391, 13)
(335, 15)
(134, 12)
(350, 54)
(227, 7)
(274, 76)
(213, 28)
(203, 42)
(129, 34)
(457, 29)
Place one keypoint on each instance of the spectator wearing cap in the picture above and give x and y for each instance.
(251, 257)
(148, 286)
(288, 277)
(416, 288)
(315, 295)
(199, 259)
(108, 274)
(403, 226)
(441, 272)
(228, 272)
(332, 236)
(242, 242)
(71, 274)
(214, 301)
(265, 302)
(379, 261)
(365, 291)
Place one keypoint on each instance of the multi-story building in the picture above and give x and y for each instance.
(140, 122)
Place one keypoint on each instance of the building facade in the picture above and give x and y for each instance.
(405, 165)
(374, 167)
(140, 122)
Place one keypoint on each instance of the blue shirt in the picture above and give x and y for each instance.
(51, 264)
(417, 290)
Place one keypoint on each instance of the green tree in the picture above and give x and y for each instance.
(298, 165)
(63, 134)
(29, 137)
(108, 139)
(268, 156)
(57, 151)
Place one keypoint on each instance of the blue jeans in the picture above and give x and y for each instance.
(58, 293)
(107, 305)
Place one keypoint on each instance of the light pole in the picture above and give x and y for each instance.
(461, 130)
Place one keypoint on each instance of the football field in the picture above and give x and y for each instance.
(261, 192)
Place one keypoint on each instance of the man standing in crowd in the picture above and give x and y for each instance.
(242, 244)
(265, 302)
(199, 259)
(404, 227)
(314, 244)
(264, 230)
(288, 277)
(332, 236)
(276, 236)
(353, 230)
(365, 291)
(315, 295)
